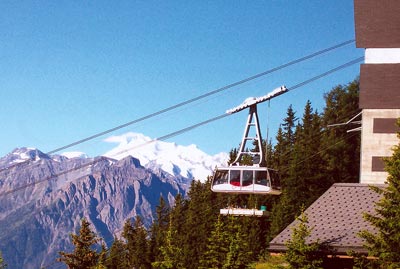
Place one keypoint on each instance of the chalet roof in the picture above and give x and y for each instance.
(336, 217)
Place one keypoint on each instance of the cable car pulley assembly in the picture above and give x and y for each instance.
(249, 179)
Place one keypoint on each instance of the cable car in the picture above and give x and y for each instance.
(246, 179)
(249, 179)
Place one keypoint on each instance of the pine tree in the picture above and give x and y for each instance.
(197, 228)
(137, 245)
(385, 244)
(159, 229)
(282, 157)
(118, 256)
(3, 265)
(83, 256)
(238, 255)
(244, 159)
(141, 246)
(255, 231)
(300, 254)
(341, 149)
(217, 247)
(283, 149)
(288, 126)
(301, 168)
(101, 263)
(268, 152)
(171, 253)
(232, 155)
(279, 150)
(178, 213)
(306, 180)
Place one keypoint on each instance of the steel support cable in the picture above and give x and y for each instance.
(299, 60)
(317, 154)
(310, 157)
(290, 151)
(357, 60)
(181, 130)
(204, 95)
(93, 162)
(58, 264)
(225, 115)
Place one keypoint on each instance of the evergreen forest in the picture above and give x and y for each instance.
(310, 157)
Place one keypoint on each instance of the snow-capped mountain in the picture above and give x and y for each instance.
(74, 154)
(43, 199)
(186, 161)
(21, 155)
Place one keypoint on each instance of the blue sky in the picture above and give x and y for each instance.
(71, 69)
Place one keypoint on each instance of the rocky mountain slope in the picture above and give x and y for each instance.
(43, 199)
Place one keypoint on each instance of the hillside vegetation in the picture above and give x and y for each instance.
(310, 157)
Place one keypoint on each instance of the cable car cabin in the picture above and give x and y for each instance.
(246, 179)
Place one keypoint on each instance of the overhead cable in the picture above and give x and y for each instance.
(307, 57)
(269, 71)
(179, 131)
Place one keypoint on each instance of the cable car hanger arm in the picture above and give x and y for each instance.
(253, 100)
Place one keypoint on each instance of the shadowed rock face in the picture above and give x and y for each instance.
(36, 219)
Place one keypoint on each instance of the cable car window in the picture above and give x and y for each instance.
(247, 178)
(261, 178)
(235, 177)
(221, 177)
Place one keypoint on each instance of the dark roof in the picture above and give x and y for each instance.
(336, 217)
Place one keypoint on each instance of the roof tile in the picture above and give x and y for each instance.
(336, 217)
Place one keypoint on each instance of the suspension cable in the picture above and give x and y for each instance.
(176, 132)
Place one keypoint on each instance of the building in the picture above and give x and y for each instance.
(378, 31)
(336, 217)
(377, 25)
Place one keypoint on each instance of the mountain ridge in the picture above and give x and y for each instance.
(41, 204)
(186, 161)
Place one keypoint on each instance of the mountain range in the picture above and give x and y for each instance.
(43, 198)
(185, 161)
